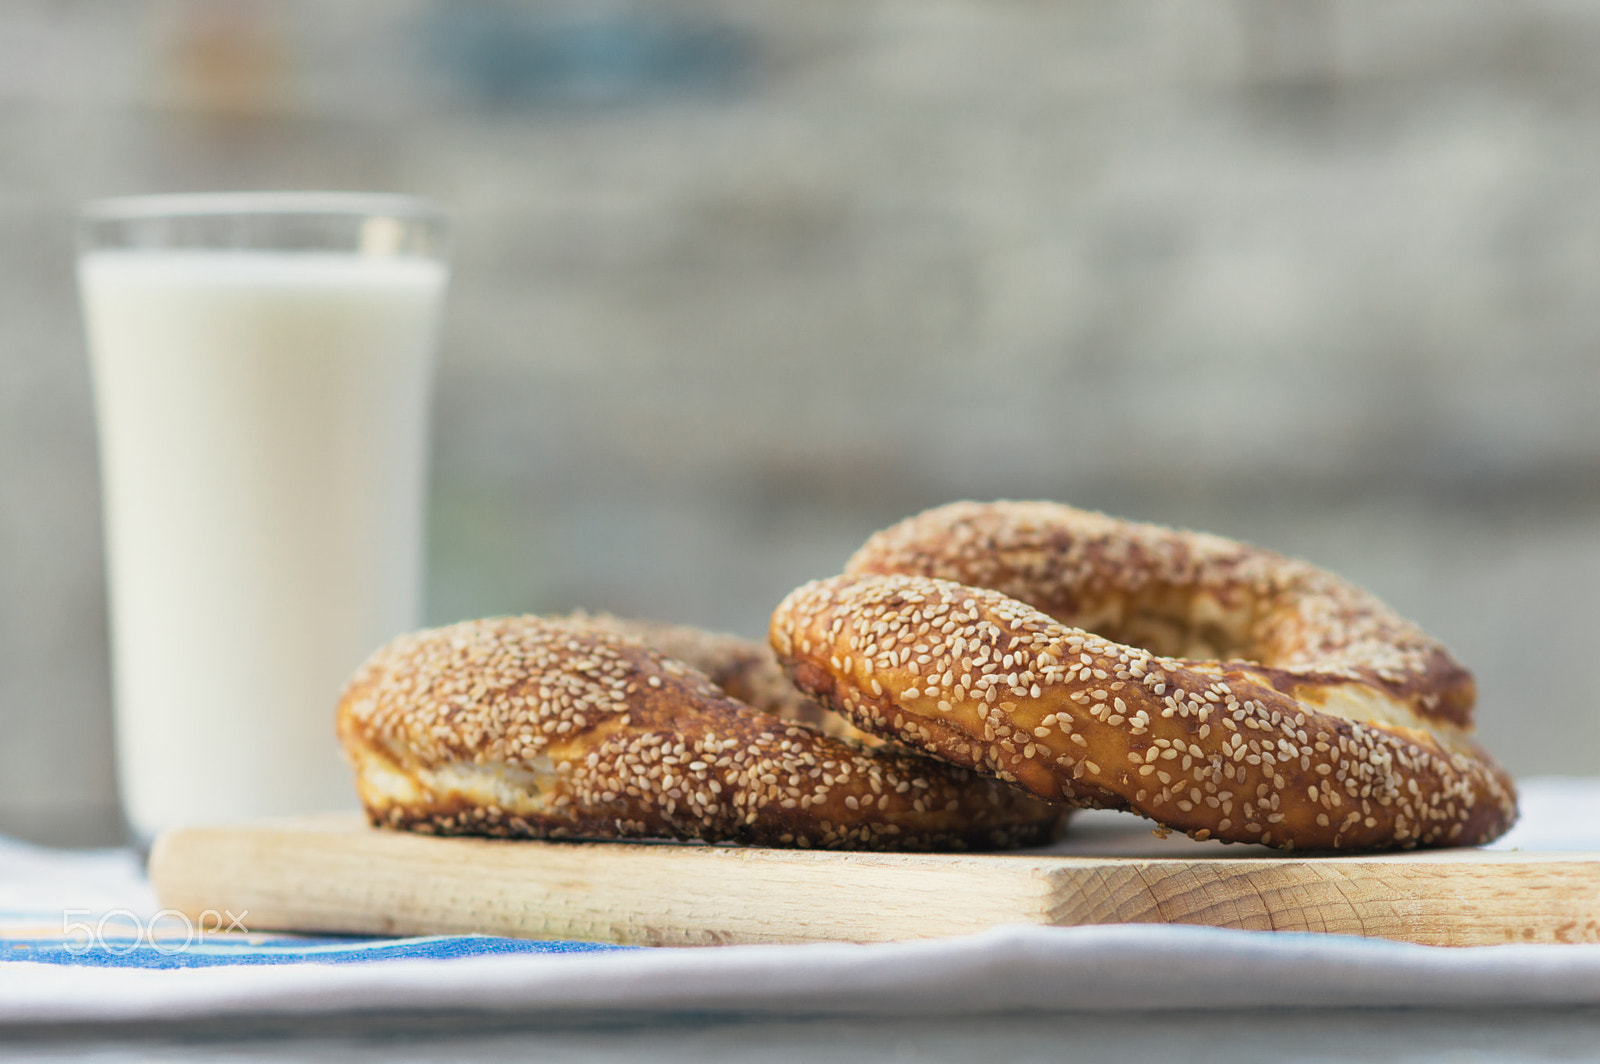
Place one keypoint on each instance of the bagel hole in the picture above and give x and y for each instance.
(1166, 638)
(1168, 630)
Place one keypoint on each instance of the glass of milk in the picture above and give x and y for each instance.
(262, 366)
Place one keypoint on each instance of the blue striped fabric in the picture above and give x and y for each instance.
(122, 938)
(255, 949)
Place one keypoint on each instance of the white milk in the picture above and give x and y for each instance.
(263, 421)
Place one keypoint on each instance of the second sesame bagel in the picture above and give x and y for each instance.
(552, 728)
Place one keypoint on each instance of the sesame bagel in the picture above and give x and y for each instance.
(1187, 595)
(522, 726)
(1318, 721)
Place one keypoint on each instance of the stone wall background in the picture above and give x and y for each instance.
(738, 283)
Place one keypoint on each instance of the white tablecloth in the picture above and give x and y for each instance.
(1006, 968)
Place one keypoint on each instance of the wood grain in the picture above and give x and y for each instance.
(336, 874)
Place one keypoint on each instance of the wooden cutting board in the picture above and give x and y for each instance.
(335, 874)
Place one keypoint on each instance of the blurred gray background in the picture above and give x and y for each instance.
(739, 281)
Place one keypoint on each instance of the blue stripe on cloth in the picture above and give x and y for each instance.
(226, 950)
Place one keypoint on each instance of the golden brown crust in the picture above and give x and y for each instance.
(1181, 594)
(1352, 750)
(522, 726)
(744, 670)
(1216, 750)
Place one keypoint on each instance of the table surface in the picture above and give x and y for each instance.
(1497, 1034)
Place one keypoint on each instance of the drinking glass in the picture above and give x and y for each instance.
(262, 367)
